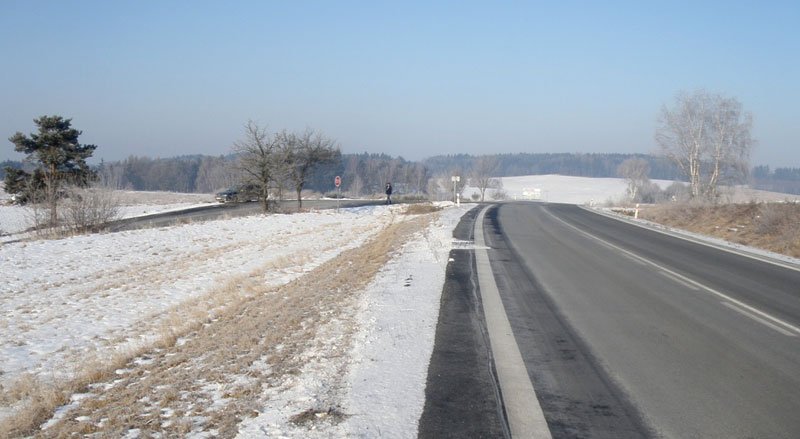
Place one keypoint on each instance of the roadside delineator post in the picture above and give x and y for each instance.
(455, 179)
(338, 182)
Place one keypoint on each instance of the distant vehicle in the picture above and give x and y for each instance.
(238, 194)
(226, 196)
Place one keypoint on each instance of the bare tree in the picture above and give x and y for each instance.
(111, 175)
(708, 137)
(258, 159)
(215, 173)
(418, 177)
(440, 188)
(353, 178)
(636, 172)
(375, 171)
(89, 209)
(730, 144)
(386, 172)
(356, 186)
(301, 153)
(482, 174)
(499, 194)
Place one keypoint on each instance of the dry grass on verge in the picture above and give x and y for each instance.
(421, 209)
(769, 226)
(212, 377)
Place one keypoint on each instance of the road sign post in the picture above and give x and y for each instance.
(338, 182)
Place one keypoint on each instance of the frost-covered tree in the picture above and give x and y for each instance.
(483, 174)
(708, 137)
(636, 173)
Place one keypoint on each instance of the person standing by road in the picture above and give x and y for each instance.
(388, 193)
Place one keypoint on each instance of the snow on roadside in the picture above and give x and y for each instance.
(16, 219)
(378, 387)
(68, 300)
(399, 315)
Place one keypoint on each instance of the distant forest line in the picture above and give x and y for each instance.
(366, 174)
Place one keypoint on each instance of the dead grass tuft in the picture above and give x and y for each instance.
(39, 399)
(421, 209)
(769, 226)
(22, 388)
(332, 415)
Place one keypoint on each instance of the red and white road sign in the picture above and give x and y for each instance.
(337, 181)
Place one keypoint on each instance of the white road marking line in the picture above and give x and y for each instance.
(635, 261)
(678, 280)
(686, 236)
(758, 319)
(524, 414)
(788, 326)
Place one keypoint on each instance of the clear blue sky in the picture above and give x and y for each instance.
(415, 79)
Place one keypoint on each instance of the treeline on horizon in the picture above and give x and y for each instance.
(366, 174)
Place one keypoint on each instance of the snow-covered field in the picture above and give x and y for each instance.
(561, 189)
(16, 219)
(72, 301)
(596, 191)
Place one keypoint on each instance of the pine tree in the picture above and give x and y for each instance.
(59, 158)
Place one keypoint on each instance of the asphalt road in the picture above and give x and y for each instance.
(627, 332)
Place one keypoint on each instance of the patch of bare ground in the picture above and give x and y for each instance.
(769, 226)
(207, 377)
(421, 209)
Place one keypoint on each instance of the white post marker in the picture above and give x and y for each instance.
(338, 182)
(455, 179)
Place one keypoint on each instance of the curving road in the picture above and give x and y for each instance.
(627, 332)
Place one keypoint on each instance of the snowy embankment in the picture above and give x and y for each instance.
(66, 299)
(384, 373)
(16, 219)
(71, 302)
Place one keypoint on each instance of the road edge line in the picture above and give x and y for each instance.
(686, 279)
(523, 412)
(691, 237)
